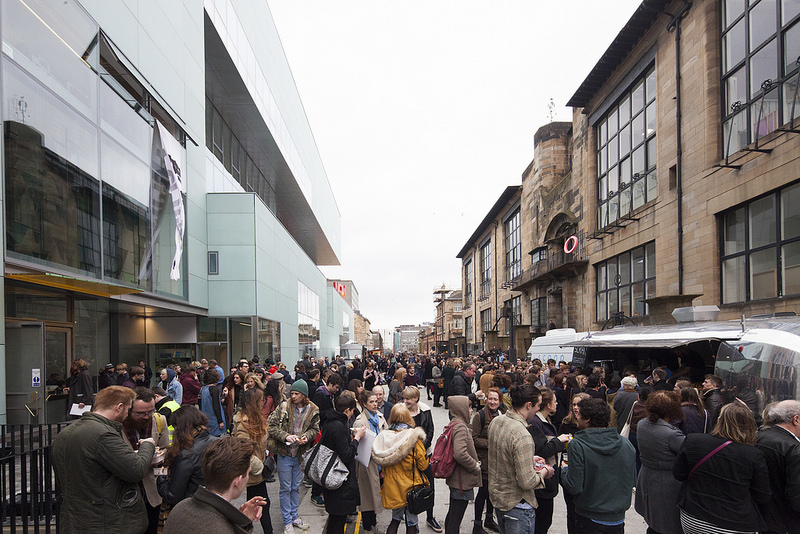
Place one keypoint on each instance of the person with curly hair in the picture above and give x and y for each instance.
(250, 423)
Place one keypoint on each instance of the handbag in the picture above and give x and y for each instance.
(419, 498)
(324, 467)
(626, 429)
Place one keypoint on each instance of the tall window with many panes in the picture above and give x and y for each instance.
(468, 276)
(624, 281)
(486, 269)
(761, 247)
(760, 52)
(626, 152)
(513, 247)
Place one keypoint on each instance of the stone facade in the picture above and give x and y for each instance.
(636, 206)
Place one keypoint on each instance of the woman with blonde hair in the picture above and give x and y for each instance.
(369, 483)
(400, 451)
(725, 477)
(250, 423)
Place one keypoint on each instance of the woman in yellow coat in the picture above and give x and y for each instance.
(400, 451)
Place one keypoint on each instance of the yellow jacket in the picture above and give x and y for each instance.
(399, 453)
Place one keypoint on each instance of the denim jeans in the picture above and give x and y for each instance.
(290, 476)
(516, 521)
(411, 519)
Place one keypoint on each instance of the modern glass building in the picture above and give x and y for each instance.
(163, 196)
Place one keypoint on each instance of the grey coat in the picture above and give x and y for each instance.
(657, 489)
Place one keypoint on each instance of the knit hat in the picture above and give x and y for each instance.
(272, 370)
(109, 366)
(300, 386)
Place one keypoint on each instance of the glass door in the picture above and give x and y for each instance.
(25, 372)
(58, 357)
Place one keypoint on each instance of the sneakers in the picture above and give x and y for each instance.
(287, 529)
(307, 482)
(318, 500)
(434, 524)
(298, 523)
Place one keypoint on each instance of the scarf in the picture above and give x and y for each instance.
(398, 426)
(374, 422)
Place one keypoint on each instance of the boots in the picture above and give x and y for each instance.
(478, 529)
(392, 528)
(490, 523)
(412, 530)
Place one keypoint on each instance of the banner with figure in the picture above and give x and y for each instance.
(175, 163)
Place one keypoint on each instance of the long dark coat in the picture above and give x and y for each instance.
(336, 436)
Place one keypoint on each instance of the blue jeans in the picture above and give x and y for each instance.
(411, 519)
(290, 476)
(516, 521)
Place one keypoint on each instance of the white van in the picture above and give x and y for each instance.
(550, 345)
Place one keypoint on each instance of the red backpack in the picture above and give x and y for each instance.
(442, 462)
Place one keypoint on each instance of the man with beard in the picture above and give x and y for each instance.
(97, 470)
(144, 422)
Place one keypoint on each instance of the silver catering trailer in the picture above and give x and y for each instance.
(758, 358)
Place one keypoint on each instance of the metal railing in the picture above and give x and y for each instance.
(27, 479)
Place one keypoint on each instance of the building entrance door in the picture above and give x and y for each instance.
(57, 359)
(37, 359)
(25, 372)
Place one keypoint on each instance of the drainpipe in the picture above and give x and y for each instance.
(675, 25)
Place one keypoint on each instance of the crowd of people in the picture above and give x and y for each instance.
(696, 458)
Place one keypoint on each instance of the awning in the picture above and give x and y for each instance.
(667, 343)
(90, 287)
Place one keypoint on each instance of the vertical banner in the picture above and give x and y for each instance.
(174, 162)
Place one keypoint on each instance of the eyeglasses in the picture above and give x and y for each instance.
(144, 414)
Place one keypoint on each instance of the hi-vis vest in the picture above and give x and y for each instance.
(170, 405)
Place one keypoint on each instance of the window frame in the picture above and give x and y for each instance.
(784, 74)
(486, 268)
(513, 243)
(620, 177)
(604, 290)
(778, 243)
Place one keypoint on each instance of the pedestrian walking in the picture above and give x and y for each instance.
(400, 451)
(466, 475)
(344, 500)
(292, 427)
(369, 483)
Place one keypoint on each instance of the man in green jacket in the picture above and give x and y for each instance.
(601, 472)
(97, 470)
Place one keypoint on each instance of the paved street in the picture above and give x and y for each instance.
(315, 517)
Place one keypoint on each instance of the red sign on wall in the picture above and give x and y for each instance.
(340, 288)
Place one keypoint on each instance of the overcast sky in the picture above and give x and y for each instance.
(423, 113)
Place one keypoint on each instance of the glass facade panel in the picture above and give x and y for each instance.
(307, 320)
(269, 340)
(50, 40)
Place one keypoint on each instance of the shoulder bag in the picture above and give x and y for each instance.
(707, 456)
(419, 498)
(324, 467)
(626, 429)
